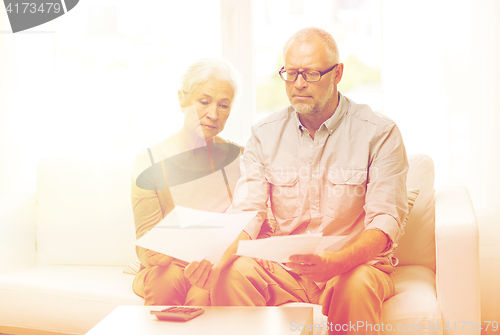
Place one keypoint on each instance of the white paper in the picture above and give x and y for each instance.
(280, 248)
(193, 235)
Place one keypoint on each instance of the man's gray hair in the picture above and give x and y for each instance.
(204, 69)
(304, 34)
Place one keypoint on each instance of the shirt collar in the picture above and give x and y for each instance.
(332, 123)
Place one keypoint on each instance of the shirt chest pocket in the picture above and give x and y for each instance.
(345, 192)
(284, 192)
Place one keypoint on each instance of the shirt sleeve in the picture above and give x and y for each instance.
(386, 203)
(252, 189)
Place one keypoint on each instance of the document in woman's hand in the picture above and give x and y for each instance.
(192, 235)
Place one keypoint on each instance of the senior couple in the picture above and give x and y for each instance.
(326, 164)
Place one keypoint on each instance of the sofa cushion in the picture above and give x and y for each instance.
(417, 245)
(415, 284)
(413, 308)
(412, 194)
(69, 299)
(84, 214)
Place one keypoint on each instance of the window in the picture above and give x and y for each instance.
(355, 25)
(118, 65)
(104, 75)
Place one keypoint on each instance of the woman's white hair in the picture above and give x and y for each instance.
(332, 51)
(204, 69)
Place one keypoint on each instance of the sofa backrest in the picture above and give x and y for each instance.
(417, 245)
(84, 213)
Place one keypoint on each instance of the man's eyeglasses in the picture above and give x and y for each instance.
(291, 75)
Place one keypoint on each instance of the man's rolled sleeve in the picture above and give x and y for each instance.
(386, 203)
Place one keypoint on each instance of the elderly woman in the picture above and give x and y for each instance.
(193, 168)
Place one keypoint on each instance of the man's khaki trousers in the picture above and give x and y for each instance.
(346, 299)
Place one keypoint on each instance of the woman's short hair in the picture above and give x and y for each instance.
(204, 69)
(332, 51)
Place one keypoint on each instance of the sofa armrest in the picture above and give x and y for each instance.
(17, 232)
(457, 261)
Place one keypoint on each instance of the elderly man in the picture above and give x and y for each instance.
(329, 166)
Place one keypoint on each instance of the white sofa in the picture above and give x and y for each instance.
(63, 251)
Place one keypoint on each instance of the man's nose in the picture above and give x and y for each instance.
(300, 83)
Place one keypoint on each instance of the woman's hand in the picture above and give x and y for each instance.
(202, 274)
(156, 258)
(205, 275)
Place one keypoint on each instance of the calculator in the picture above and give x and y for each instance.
(182, 314)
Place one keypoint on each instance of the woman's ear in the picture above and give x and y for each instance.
(181, 98)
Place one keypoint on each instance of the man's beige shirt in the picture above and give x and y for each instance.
(350, 178)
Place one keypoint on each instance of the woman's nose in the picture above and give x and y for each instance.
(212, 112)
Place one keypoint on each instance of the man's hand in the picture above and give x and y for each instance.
(202, 274)
(320, 268)
(328, 264)
(156, 258)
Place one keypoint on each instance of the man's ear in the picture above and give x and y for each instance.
(339, 71)
(181, 98)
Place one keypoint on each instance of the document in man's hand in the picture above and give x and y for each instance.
(280, 248)
(193, 235)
